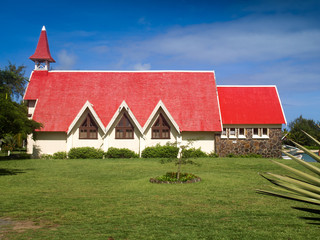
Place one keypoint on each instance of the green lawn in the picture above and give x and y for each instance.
(95, 199)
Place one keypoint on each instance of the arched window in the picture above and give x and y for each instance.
(124, 129)
(88, 129)
(161, 129)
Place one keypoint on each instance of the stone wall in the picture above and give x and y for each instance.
(270, 148)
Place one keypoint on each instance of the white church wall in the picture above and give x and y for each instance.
(132, 144)
(49, 143)
(203, 140)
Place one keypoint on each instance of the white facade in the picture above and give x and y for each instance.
(51, 142)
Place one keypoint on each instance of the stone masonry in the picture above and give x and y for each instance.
(269, 148)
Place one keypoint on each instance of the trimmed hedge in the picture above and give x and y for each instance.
(193, 153)
(159, 151)
(120, 153)
(85, 152)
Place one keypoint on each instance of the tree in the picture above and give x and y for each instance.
(12, 80)
(13, 115)
(307, 125)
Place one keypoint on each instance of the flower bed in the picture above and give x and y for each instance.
(171, 178)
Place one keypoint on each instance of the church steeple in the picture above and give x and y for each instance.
(42, 56)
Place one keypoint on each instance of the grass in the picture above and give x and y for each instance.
(95, 199)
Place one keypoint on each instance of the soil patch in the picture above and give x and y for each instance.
(7, 225)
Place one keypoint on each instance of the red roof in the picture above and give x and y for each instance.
(189, 96)
(250, 105)
(42, 51)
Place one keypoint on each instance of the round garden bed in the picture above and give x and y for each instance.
(171, 178)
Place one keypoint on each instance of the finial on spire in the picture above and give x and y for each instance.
(42, 56)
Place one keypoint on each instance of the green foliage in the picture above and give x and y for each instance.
(14, 119)
(302, 187)
(249, 155)
(13, 116)
(8, 143)
(307, 125)
(59, 155)
(173, 177)
(85, 152)
(193, 153)
(120, 153)
(12, 80)
(213, 155)
(46, 156)
(159, 151)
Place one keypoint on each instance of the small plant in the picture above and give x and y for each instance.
(9, 143)
(120, 153)
(178, 161)
(85, 153)
(159, 151)
(59, 155)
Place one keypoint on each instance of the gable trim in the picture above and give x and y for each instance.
(137, 71)
(284, 116)
(25, 92)
(86, 106)
(167, 113)
(125, 106)
(246, 85)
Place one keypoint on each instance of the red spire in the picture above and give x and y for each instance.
(42, 52)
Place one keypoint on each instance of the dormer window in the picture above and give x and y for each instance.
(161, 129)
(124, 129)
(88, 129)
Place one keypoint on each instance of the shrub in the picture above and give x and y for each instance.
(59, 155)
(46, 156)
(251, 155)
(231, 155)
(213, 155)
(193, 153)
(159, 151)
(85, 152)
(121, 153)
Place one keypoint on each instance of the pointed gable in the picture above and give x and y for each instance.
(42, 52)
(189, 96)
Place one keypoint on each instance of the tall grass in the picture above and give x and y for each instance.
(95, 199)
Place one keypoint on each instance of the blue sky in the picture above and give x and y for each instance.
(245, 42)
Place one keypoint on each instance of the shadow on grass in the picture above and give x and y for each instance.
(316, 220)
(16, 156)
(4, 171)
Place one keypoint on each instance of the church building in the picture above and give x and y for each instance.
(138, 109)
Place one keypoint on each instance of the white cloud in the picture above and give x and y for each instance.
(249, 39)
(65, 60)
(140, 66)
